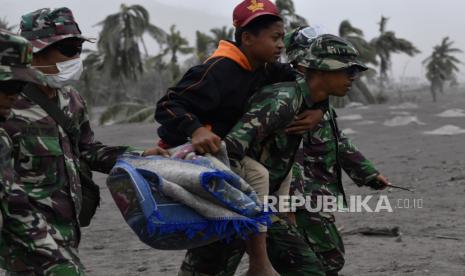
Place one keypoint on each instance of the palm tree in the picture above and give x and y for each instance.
(120, 57)
(355, 36)
(441, 66)
(122, 34)
(291, 19)
(386, 44)
(203, 44)
(93, 63)
(176, 44)
(360, 92)
(223, 33)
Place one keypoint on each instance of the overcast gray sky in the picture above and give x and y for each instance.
(423, 22)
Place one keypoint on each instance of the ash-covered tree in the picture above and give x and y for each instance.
(442, 66)
(291, 19)
(386, 44)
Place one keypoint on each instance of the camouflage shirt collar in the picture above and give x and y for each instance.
(303, 86)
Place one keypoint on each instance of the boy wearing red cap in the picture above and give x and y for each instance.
(210, 99)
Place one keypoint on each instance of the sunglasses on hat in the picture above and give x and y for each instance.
(69, 47)
(69, 50)
(352, 71)
(305, 36)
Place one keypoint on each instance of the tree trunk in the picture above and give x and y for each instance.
(433, 92)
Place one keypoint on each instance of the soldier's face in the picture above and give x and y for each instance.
(268, 45)
(337, 83)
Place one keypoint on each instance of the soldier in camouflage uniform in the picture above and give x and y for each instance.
(47, 164)
(261, 135)
(324, 152)
(271, 111)
(23, 224)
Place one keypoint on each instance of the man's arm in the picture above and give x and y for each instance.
(98, 156)
(271, 110)
(355, 164)
(298, 173)
(199, 91)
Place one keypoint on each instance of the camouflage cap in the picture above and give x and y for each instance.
(45, 26)
(321, 51)
(16, 58)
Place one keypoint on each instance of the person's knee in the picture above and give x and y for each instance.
(285, 186)
(256, 175)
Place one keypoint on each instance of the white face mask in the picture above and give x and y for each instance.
(68, 72)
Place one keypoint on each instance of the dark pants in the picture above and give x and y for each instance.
(320, 232)
(287, 250)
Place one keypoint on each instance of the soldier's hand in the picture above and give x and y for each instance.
(205, 141)
(305, 121)
(379, 183)
(156, 151)
(383, 181)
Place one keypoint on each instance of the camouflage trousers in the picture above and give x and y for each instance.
(28, 245)
(287, 251)
(62, 269)
(320, 232)
(23, 257)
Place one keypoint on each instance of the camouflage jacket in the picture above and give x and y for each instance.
(317, 160)
(260, 132)
(24, 227)
(6, 163)
(46, 165)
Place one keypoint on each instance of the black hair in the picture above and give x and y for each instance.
(256, 26)
(12, 86)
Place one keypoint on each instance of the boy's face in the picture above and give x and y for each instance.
(268, 44)
(337, 83)
(7, 99)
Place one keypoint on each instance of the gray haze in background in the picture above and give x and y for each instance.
(424, 23)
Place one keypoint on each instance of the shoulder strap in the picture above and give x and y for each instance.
(335, 129)
(68, 125)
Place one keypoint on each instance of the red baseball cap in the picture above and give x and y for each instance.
(251, 9)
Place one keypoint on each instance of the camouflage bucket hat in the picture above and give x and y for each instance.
(16, 58)
(45, 26)
(311, 49)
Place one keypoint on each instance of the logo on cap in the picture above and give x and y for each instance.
(248, 10)
(256, 6)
